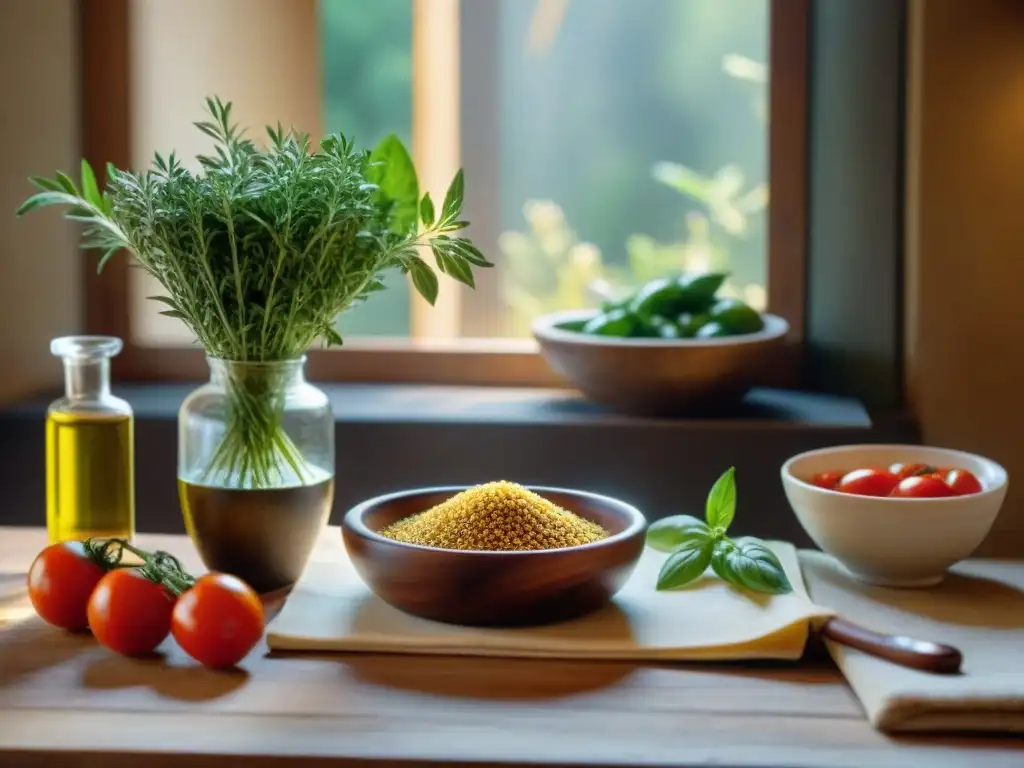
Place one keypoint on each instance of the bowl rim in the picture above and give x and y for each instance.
(354, 520)
(546, 328)
(1002, 475)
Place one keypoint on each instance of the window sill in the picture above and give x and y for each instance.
(395, 436)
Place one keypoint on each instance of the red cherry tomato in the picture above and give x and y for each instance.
(922, 487)
(130, 614)
(829, 480)
(912, 470)
(963, 482)
(868, 482)
(59, 584)
(218, 621)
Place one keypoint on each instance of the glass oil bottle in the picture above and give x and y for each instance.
(90, 451)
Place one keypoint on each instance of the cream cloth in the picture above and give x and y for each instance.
(979, 609)
(331, 609)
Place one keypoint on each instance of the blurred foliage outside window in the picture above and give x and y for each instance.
(366, 61)
(632, 143)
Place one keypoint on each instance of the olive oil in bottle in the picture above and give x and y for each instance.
(90, 462)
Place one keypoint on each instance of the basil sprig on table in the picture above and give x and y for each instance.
(695, 544)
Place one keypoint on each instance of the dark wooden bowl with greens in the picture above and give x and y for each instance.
(673, 347)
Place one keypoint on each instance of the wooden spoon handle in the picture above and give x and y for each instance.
(923, 655)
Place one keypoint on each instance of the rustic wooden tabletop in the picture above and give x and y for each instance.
(64, 700)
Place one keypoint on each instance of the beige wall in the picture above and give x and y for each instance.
(965, 284)
(38, 134)
(261, 55)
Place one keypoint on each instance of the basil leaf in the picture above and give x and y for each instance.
(393, 172)
(750, 564)
(721, 505)
(686, 564)
(667, 534)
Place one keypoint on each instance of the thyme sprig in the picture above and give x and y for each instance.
(261, 251)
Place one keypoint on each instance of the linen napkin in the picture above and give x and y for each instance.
(979, 609)
(331, 609)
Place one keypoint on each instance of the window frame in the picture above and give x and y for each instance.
(106, 119)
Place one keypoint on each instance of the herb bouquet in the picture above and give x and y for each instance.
(260, 251)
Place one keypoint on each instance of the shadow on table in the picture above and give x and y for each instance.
(189, 682)
(31, 646)
(486, 678)
(997, 741)
(964, 599)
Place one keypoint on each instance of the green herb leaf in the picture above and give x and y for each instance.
(90, 190)
(332, 336)
(450, 262)
(107, 255)
(686, 564)
(669, 533)
(721, 504)
(40, 199)
(424, 279)
(470, 252)
(394, 174)
(50, 185)
(163, 300)
(749, 563)
(452, 206)
(427, 210)
(67, 183)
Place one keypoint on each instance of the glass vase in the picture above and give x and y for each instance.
(256, 469)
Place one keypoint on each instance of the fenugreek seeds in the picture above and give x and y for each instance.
(499, 516)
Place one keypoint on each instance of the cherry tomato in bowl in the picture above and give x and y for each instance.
(922, 487)
(881, 481)
(963, 482)
(828, 480)
(130, 614)
(868, 482)
(218, 621)
(912, 469)
(60, 581)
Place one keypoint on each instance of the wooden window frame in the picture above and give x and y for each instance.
(106, 119)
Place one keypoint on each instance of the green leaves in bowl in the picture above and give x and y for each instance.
(695, 544)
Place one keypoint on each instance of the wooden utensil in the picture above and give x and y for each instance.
(923, 655)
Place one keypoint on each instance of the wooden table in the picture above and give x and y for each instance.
(67, 701)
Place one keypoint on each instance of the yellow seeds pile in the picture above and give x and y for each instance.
(496, 516)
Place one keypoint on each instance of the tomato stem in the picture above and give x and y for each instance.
(159, 567)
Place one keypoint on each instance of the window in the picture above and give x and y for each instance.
(603, 143)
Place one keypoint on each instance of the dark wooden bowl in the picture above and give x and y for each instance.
(660, 377)
(494, 588)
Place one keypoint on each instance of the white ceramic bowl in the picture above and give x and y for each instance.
(893, 541)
